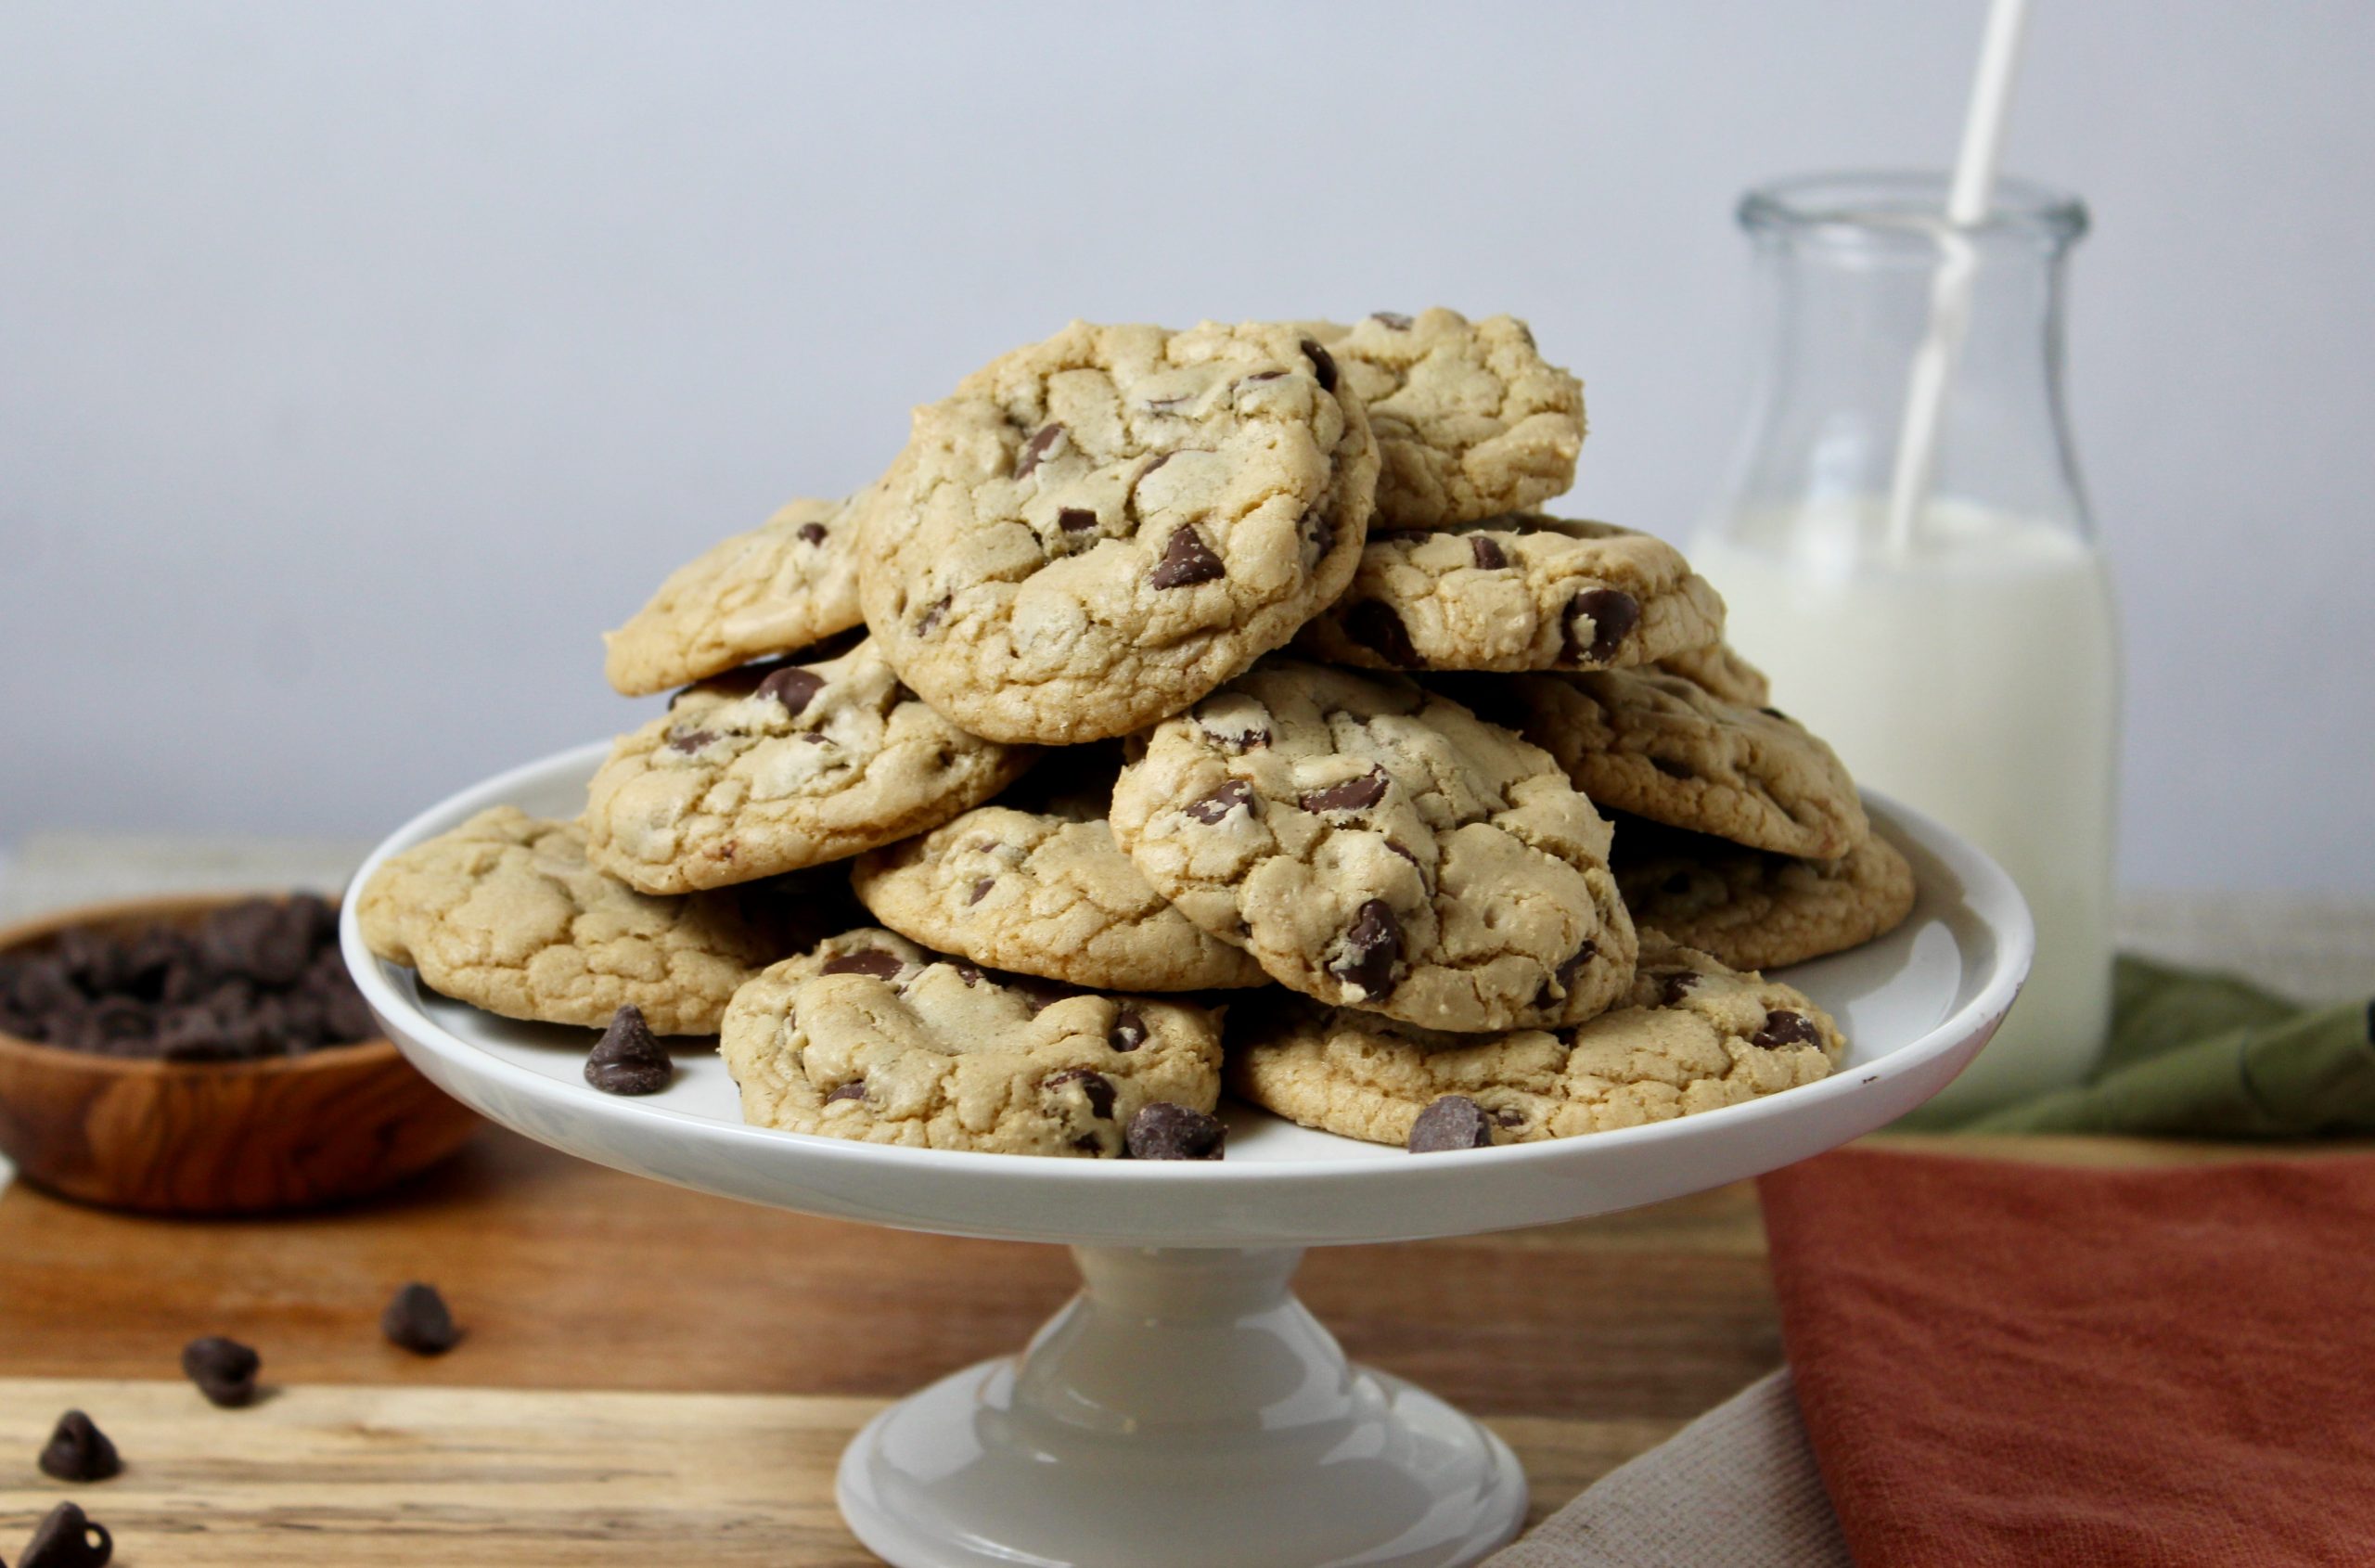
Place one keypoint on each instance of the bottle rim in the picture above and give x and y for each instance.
(1905, 203)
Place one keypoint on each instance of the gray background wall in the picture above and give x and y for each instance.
(359, 362)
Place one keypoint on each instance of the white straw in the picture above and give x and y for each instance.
(1968, 201)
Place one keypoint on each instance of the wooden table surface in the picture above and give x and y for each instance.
(651, 1374)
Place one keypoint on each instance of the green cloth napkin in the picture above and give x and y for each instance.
(2198, 1055)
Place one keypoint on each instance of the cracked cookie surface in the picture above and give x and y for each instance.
(1470, 420)
(870, 1037)
(1097, 530)
(1521, 592)
(781, 587)
(1040, 887)
(1665, 748)
(1376, 846)
(504, 913)
(1691, 1036)
(1719, 669)
(1753, 909)
(768, 769)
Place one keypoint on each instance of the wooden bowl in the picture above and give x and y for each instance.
(212, 1137)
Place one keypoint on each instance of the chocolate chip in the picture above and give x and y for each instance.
(930, 618)
(1452, 1121)
(1563, 977)
(853, 1089)
(416, 1318)
(93, 963)
(1076, 520)
(1129, 1031)
(1151, 464)
(1375, 626)
(1164, 1131)
(968, 974)
(1672, 768)
(1372, 945)
(1509, 1116)
(79, 1451)
(1322, 365)
(689, 740)
(1352, 794)
(1261, 375)
(1392, 318)
(1785, 1029)
(65, 1540)
(1096, 1087)
(1396, 846)
(629, 1059)
(1221, 802)
(1186, 560)
(1675, 987)
(1038, 447)
(795, 688)
(812, 533)
(982, 886)
(1253, 738)
(1613, 615)
(224, 1371)
(872, 962)
(265, 940)
(1320, 531)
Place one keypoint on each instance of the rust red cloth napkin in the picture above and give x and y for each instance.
(2006, 1362)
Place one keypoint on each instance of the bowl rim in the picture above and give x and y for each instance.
(25, 932)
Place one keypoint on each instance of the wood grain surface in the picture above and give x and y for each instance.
(653, 1375)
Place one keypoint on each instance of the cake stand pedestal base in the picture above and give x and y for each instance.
(1183, 1410)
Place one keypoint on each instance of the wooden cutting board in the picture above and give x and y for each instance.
(650, 1375)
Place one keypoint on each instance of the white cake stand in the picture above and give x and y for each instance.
(1185, 1408)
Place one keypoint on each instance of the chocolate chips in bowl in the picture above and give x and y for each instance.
(204, 1055)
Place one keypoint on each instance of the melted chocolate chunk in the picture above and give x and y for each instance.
(1075, 520)
(1613, 615)
(1486, 552)
(1322, 365)
(1785, 1029)
(1372, 946)
(853, 1089)
(224, 1371)
(1563, 977)
(1375, 626)
(872, 962)
(1186, 560)
(1220, 803)
(418, 1319)
(1129, 1031)
(812, 533)
(795, 688)
(629, 1059)
(78, 1451)
(1352, 794)
(1676, 986)
(689, 740)
(982, 886)
(1096, 1087)
(1037, 447)
(1452, 1121)
(1164, 1131)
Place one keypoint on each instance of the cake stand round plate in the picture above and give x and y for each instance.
(1185, 1408)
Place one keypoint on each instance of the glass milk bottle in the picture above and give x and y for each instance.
(1958, 651)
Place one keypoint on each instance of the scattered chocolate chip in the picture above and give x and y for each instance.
(1395, 846)
(795, 688)
(872, 962)
(268, 940)
(1563, 977)
(1186, 560)
(224, 1371)
(982, 886)
(1486, 552)
(1151, 464)
(812, 533)
(1613, 615)
(1375, 626)
(930, 618)
(64, 1539)
(1320, 531)
(1075, 520)
(1221, 802)
(1372, 945)
(969, 974)
(1037, 447)
(689, 740)
(1261, 375)
(1785, 1029)
(1673, 768)
(853, 1089)
(1129, 1031)
(1676, 986)
(1253, 738)
(1452, 1121)
(1164, 1131)
(79, 1451)
(1509, 1116)
(1094, 1085)
(416, 1318)
(1322, 365)
(629, 1059)
(1352, 794)
(1392, 318)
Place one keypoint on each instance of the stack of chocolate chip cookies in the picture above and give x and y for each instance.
(1192, 710)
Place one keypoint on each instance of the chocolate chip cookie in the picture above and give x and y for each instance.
(770, 768)
(1097, 530)
(1038, 885)
(1722, 672)
(1470, 420)
(1376, 846)
(1521, 592)
(1757, 910)
(871, 1037)
(1692, 1036)
(779, 588)
(1665, 748)
(504, 913)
